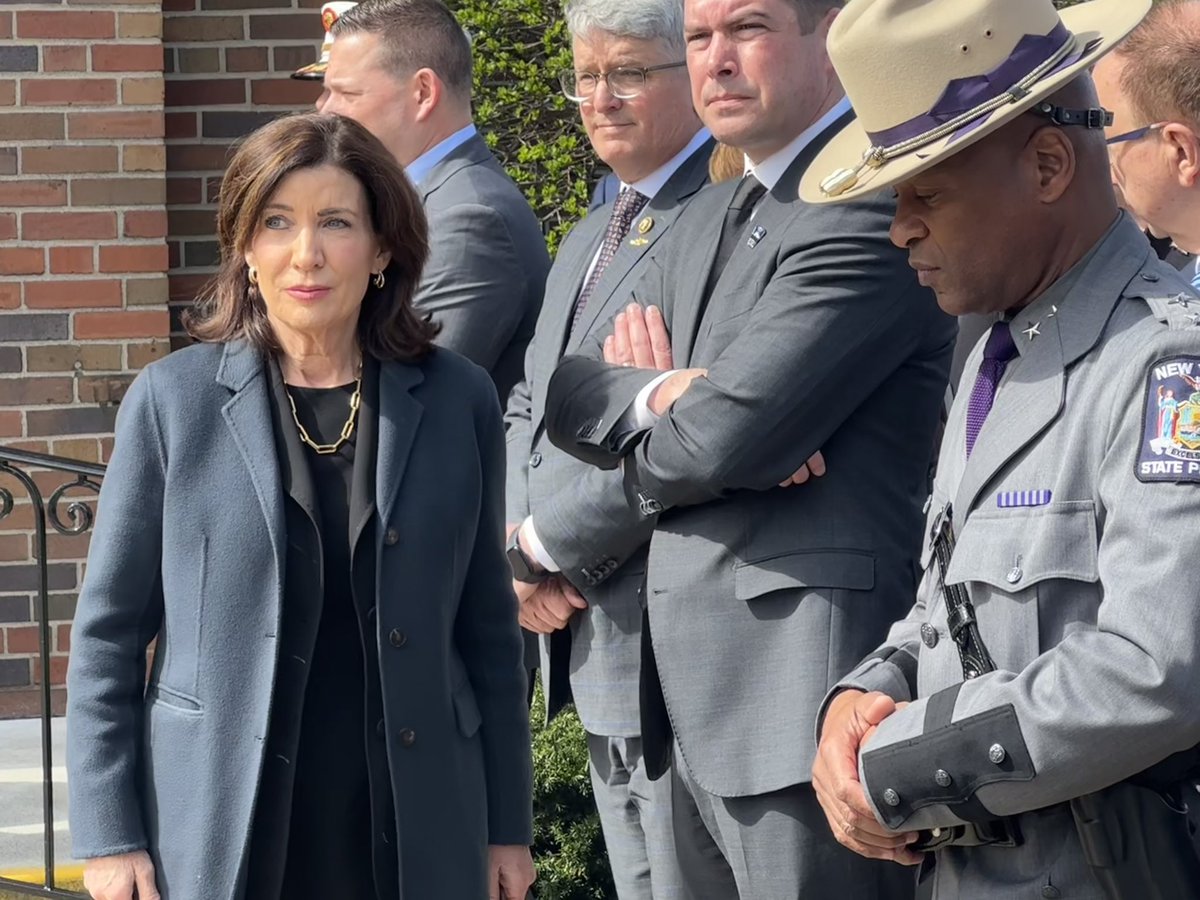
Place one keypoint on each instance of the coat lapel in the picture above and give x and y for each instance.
(362, 481)
(247, 414)
(294, 474)
(1033, 392)
(399, 416)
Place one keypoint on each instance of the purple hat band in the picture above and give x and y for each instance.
(965, 94)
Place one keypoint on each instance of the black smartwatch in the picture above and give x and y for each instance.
(523, 568)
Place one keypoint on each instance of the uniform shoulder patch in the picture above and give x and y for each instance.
(1170, 446)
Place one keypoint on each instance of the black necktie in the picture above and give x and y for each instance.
(628, 204)
(745, 198)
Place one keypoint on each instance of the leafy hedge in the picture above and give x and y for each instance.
(520, 46)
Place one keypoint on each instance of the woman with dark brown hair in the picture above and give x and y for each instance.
(305, 509)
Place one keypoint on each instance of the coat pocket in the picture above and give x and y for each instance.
(1012, 550)
(466, 711)
(807, 569)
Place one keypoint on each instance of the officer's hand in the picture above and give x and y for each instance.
(510, 872)
(546, 607)
(850, 721)
(815, 467)
(639, 339)
(116, 877)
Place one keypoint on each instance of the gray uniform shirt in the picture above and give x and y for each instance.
(1076, 542)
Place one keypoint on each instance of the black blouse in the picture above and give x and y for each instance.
(324, 824)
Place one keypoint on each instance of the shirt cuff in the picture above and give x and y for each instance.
(537, 548)
(643, 417)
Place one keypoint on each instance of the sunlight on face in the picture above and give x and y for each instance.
(313, 253)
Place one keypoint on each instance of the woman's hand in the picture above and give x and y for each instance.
(115, 877)
(510, 872)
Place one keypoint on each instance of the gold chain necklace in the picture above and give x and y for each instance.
(347, 429)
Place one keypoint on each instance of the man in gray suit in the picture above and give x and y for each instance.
(631, 85)
(801, 328)
(402, 68)
(1018, 721)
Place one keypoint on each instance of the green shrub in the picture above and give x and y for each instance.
(567, 844)
(520, 46)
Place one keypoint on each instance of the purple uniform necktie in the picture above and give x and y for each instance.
(628, 204)
(998, 350)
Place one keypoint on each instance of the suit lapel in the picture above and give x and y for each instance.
(247, 415)
(473, 151)
(399, 416)
(660, 213)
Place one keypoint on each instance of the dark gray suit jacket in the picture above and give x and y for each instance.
(817, 336)
(190, 545)
(604, 663)
(487, 262)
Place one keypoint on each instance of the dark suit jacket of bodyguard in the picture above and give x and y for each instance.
(487, 263)
(817, 336)
(190, 545)
(602, 653)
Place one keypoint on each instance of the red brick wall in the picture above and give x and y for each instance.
(228, 64)
(115, 124)
(83, 285)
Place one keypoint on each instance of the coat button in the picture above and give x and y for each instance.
(929, 635)
(408, 737)
(535, 460)
(997, 754)
(1151, 277)
(391, 537)
(891, 798)
(398, 638)
(1015, 574)
(1050, 892)
(942, 778)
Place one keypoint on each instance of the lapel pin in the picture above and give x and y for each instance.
(1033, 330)
(638, 242)
(1053, 312)
(645, 225)
(1180, 300)
(756, 235)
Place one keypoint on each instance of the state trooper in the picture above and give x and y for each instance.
(1023, 732)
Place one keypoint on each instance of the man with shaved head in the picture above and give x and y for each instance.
(1026, 729)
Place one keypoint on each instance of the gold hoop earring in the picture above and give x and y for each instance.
(252, 277)
(378, 280)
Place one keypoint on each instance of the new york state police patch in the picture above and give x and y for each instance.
(1170, 447)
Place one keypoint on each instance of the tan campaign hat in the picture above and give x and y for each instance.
(330, 13)
(929, 78)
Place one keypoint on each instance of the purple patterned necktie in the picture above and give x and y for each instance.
(998, 350)
(628, 204)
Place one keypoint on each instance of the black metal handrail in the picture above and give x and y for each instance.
(18, 464)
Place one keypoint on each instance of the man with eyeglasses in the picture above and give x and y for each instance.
(629, 79)
(1150, 84)
(791, 329)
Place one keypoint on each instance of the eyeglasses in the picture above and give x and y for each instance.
(624, 82)
(1136, 135)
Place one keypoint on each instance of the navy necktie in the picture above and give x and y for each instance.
(998, 350)
(628, 204)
